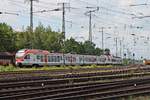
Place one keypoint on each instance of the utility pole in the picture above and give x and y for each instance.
(31, 20)
(31, 16)
(89, 13)
(102, 30)
(90, 26)
(116, 40)
(63, 27)
(120, 48)
(63, 19)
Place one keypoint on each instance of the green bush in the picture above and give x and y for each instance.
(7, 68)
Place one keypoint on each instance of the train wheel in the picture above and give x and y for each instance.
(35, 65)
(20, 65)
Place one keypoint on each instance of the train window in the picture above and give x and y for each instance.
(55, 57)
(49, 58)
(102, 59)
(113, 60)
(38, 57)
(52, 59)
(66, 58)
(42, 58)
(58, 58)
(80, 59)
(27, 57)
(73, 59)
(19, 54)
(1, 57)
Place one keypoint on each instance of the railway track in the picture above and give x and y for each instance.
(74, 86)
(38, 75)
(71, 79)
(78, 91)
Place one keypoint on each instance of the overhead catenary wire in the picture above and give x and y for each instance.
(90, 4)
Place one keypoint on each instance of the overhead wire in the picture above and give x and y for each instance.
(101, 8)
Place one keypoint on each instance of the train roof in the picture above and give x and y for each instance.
(33, 51)
(5, 54)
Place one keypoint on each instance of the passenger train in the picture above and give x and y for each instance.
(7, 58)
(34, 57)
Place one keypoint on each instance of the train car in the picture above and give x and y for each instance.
(146, 62)
(90, 59)
(116, 60)
(7, 58)
(55, 59)
(33, 57)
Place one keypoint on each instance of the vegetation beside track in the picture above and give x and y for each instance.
(11, 68)
(137, 98)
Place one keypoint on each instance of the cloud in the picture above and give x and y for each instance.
(126, 2)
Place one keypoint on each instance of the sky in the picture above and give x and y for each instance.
(123, 20)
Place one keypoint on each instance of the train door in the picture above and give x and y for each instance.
(28, 59)
(45, 59)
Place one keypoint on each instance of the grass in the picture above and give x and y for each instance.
(8, 68)
(137, 98)
(13, 68)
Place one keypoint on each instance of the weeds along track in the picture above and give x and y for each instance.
(38, 75)
(64, 71)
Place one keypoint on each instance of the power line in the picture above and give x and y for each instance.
(102, 7)
(142, 4)
(141, 17)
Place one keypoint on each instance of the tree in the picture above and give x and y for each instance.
(107, 52)
(71, 46)
(46, 39)
(89, 48)
(98, 51)
(7, 38)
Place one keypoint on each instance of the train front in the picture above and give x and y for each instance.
(20, 57)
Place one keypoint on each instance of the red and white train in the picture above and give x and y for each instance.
(34, 57)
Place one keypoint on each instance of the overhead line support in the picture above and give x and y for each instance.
(63, 19)
(89, 13)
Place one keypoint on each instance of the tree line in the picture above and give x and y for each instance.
(44, 38)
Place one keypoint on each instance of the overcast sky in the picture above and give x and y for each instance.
(120, 18)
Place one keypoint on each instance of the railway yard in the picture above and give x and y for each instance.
(77, 84)
(75, 50)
